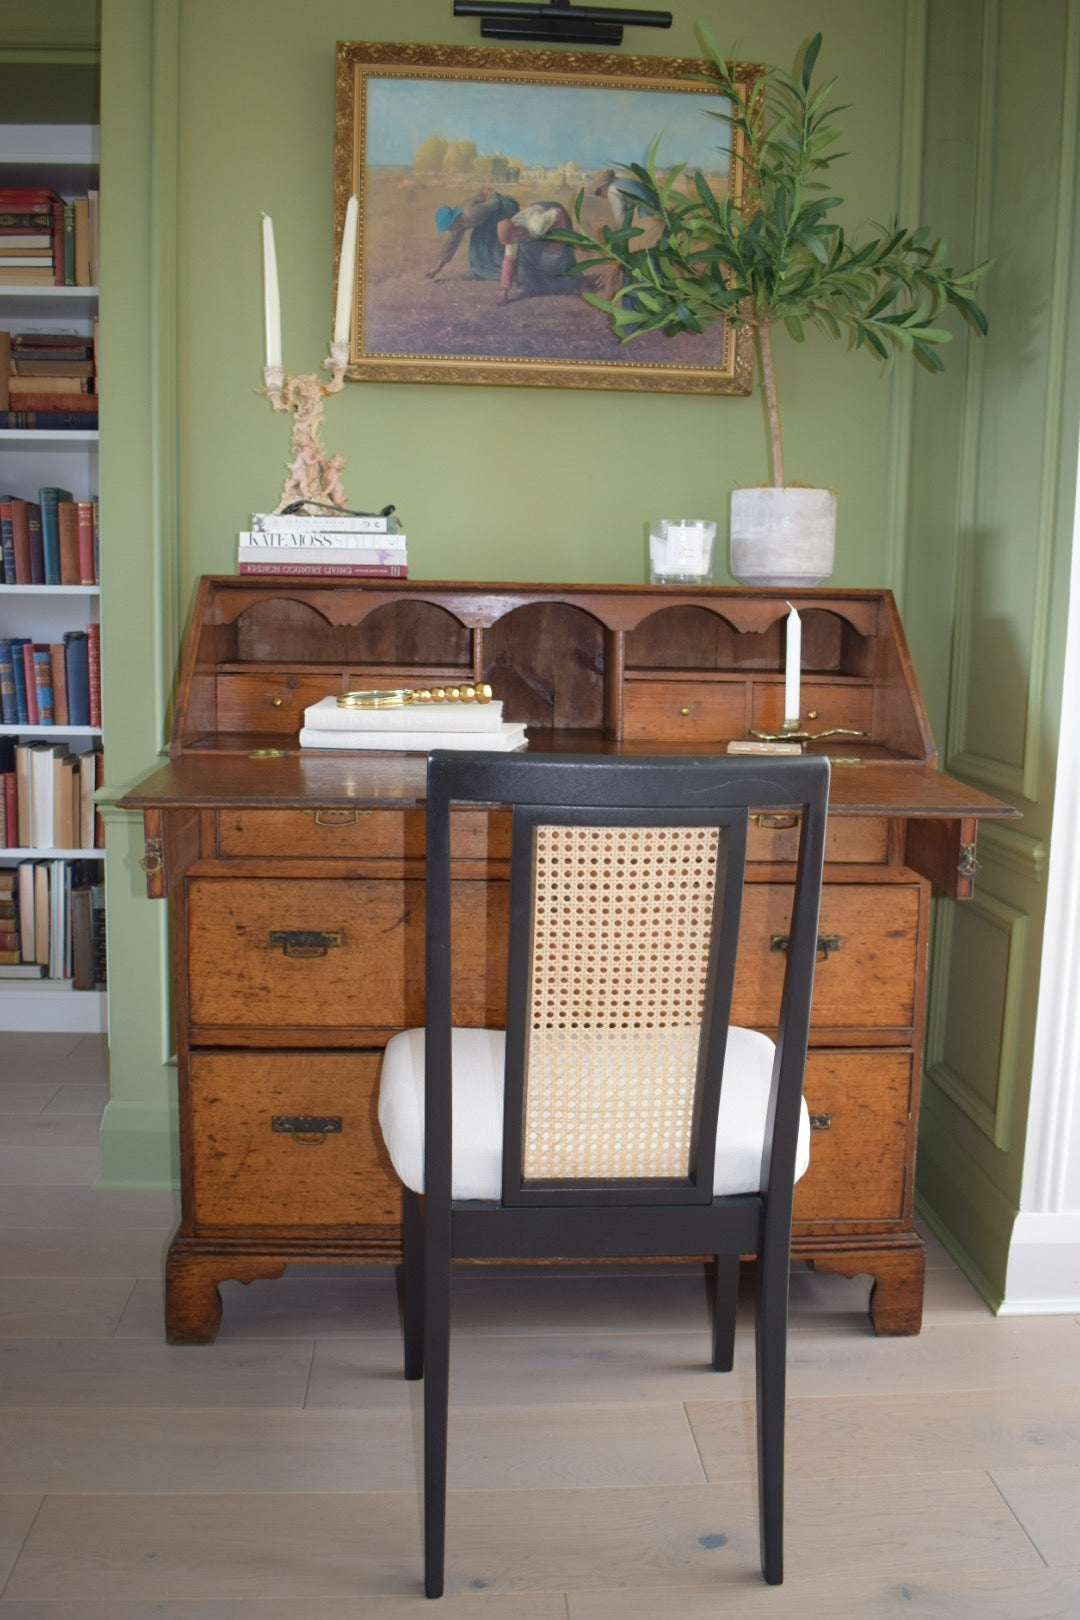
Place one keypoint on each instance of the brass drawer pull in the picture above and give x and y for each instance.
(825, 943)
(776, 823)
(338, 818)
(685, 710)
(303, 942)
(307, 1130)
(821, 1122)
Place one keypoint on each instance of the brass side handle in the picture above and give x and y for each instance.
(825, 943)
(303, 943)
(306, 1130)
(776, 823)
(821, 1122)
(154, 859)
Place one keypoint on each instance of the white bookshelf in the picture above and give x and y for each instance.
(65, 158)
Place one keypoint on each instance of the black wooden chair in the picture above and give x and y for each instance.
(619, 1114)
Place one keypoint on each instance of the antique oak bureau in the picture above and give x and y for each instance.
(296, 882)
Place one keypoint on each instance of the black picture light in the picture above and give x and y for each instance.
(557, 21)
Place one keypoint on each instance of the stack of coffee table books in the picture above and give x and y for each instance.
(406, 721)
(354, 545)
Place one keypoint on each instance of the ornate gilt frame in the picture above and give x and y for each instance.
(359, 64)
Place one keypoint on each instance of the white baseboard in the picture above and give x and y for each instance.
(1043, 1277)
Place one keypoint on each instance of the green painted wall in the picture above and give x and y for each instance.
(466, 465)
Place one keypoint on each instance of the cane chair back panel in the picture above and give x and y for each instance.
(622, 923)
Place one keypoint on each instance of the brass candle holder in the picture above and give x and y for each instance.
(314, 477)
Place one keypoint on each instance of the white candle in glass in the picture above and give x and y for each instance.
(792, 668)
(346, 274)
(271, 296)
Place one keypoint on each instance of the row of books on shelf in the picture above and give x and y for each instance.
(347, 545)
(52, 922)
(48, 379)
(51, 683)
(48, 796)
(54, 540)
(48, 240)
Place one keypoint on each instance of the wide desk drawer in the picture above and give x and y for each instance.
(866, 968)
(357, 834)
(859, 1104)
(329, 954)
(289, 1139)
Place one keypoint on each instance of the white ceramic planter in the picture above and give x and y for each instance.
(782, 537)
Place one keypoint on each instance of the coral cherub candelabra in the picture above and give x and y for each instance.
(314, 478)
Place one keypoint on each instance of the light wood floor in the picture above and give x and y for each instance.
(598, 1470)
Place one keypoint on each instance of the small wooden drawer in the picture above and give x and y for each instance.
(684, 711)
(823, 704)
(329, 954)
(859, 1104)
(282, 1139)
(272, 703)
(315, 833)
(849, 840)
(350, 834)
(865, 976)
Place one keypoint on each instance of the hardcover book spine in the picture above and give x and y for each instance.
(22, 713)
(7, 542)
(7, 684)
(59, 683)
(326, 570)
(67, 522)
(30, 679)
(37, 547)
(58, 242)
(50, 498)
(93, 647)
(86, 512)
(43, 689)
(77, 670)
(20, 541)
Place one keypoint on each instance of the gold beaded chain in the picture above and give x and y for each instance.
(397, 697)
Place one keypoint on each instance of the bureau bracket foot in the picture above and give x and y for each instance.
(192, 1296)
(896, 1298)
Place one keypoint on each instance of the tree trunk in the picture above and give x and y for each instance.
(768, 380)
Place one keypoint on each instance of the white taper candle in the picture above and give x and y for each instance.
(346, 274)
(271, 296)
(792, 668)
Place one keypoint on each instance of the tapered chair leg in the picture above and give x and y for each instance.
(436, 1401)
(412, 1265)
(771, 1346)
(725, 1307)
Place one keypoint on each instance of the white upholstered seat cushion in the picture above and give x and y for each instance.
(478, 1059)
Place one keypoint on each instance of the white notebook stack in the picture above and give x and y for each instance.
(412, 729)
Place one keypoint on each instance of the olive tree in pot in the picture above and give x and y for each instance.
(687, 258)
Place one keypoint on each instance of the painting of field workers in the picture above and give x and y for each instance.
(464, 183)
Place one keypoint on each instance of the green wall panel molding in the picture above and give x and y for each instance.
(980, 952)
(1002, 845)
(996, 733)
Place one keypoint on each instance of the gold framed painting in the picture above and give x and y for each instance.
(447, 147)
